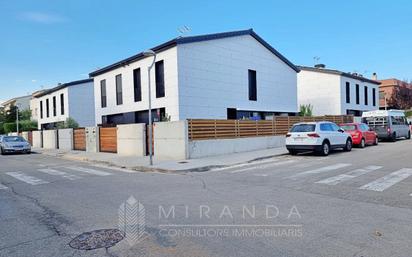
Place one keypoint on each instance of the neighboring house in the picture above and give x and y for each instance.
(333, 92)
(34, 104)
(23, 102)
(74, 99)
(230, 75)
(395, 94)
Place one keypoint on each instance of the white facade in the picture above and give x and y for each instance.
(78, 103)
(326, 92)
(205, 78)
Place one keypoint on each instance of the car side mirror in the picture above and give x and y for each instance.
(341, 130)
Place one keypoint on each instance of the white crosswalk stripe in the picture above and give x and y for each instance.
(347, 176)
(89, 171)
(2, 187)
(26, 178)
(60, 173)
(319, 170)
(114, 168)
(264, 166)
(389, 180)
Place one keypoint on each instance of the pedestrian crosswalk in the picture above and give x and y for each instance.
(26, 178)
(320, 170)
(90, 171)
(60, 173)
(348, 176)
(388, 181)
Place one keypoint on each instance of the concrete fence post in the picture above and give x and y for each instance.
(92, 139)
(65, 139)
(131, 139)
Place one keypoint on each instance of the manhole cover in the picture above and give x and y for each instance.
(102, 238)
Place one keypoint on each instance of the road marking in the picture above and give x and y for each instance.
(389, 180)
(264, 166)
(89, 171)
(2, 187)
(241, 165)
(347, 176)
(320, 170)
(26, 178)
(59, 173)
(114, 168)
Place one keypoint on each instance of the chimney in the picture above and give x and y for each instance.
(374, 76)
(320, 66)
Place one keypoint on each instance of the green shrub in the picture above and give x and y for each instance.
(69, 123)
(27, 125)
(9, 127)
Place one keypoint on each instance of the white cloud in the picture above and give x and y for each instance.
(33, 80)
(40, 17)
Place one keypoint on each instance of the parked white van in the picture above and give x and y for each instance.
(388, 124)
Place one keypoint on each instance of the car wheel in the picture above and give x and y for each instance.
(1, 151)
(325, 149)
(348, 145)
(293, 152)
(409, 135)
(362, 143)
(376, 141)
(393, 138)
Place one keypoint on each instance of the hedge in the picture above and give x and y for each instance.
(24, 125)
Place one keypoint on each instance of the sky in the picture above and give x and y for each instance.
(45, 42)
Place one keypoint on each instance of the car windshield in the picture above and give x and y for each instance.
(303, 128)
(348, 127)
(13, 139)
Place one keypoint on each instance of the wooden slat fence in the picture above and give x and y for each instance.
(202, 129)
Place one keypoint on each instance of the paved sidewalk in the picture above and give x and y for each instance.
(142, 163)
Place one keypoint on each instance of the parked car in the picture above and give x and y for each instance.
(361, 134)
(321, 137)
(14, 144)
(390, 124)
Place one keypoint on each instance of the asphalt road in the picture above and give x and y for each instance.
(348, 204)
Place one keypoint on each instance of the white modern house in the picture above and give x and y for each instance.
(23, 102)
(34, 104)
(229, 75)
(74, 99)
(333, 92)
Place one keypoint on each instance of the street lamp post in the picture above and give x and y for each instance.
(17, 118)
(149, 53)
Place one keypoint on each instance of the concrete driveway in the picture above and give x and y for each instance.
(348, 204)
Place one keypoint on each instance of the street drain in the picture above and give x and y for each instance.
(102, 238)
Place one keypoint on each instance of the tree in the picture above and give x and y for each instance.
(401, 98)
(69, 123)
(306, 110)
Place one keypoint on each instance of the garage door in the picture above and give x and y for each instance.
(79, 139)
(108, 140)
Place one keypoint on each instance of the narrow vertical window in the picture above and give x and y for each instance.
(137, 85)
(103, 96)
(41, 109)
(54, 107)
(374, 96)
(252, 85)
(366, 95)
(61, 104)
(160, 79)
(47, 108)
(347, 92)
(119, 90)
(357, 94)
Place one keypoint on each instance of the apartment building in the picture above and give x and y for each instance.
(395, 94)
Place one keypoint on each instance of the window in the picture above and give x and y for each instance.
(160, 79)
(54, 106)
(252, 85)
(334, 127)
(41, 109)
(374, 96)
(103, 95)
(347, 92)
(137, 85)
(119, 90)
(47, 108)
(326, 127)
(366, 95)
(61, 104)
(357, 94)
(304, 128)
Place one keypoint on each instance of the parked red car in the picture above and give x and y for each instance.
(361, 134)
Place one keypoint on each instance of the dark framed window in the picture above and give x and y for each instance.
(103, 95)
(160, 79)
(357, 94)
(374, 96)
(61, 104)
(54, 107)
(252, 85)
(119, 90)
(47, 108)
(41, 109)
(347, 92)
(137, 85)
(366, 95)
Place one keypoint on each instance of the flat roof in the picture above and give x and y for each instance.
(337, 72)
(193, 39)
